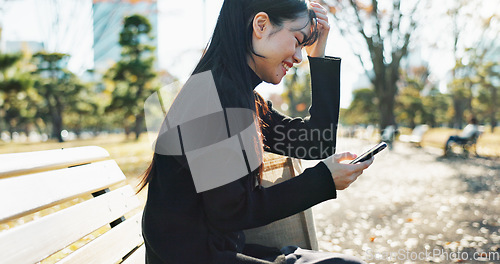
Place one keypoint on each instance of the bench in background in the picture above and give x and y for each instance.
(466, 147)
(416, 135)
(52, 199)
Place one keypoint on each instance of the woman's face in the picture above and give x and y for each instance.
(280, 46)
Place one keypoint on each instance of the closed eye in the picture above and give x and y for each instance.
(299, 42)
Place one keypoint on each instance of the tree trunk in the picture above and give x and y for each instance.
(57, 126)
(385, 89)
(386, 107)
(139, 120)
(127, 131)
(58, 119)
(11, 128)
(493, 119)
(458, 107)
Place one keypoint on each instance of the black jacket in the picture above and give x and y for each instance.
(183, 226)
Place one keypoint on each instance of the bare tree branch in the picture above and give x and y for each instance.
(360, 22)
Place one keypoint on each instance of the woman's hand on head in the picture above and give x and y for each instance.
(345, 174)
(317, 49)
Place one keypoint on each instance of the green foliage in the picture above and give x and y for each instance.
(135, 29)
(436, 106)
(8, 60)
(363, 108)
(409, 108)
(16, 94)
(297, 94)
(133, 78)
(487, 100)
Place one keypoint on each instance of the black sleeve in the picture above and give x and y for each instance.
(313, 137)
(238, 206)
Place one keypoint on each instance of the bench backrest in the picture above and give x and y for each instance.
(388, 133)
(68, 205)
(420, 130)
(418, 133)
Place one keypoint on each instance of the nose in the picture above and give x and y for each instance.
(297, 56)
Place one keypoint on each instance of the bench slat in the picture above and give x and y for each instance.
(36, 240)
(25, 194)
(29, 162)
(111, 246)
(138, 257)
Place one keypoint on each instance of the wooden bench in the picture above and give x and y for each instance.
(416, 135)
(67, 205)
(388, 135)
(466, 147)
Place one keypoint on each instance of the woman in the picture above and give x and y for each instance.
(254, 41)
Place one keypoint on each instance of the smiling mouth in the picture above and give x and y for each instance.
(286, 66)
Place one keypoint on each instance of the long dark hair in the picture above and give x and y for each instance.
(228, 49)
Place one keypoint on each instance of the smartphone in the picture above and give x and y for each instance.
(370, 153)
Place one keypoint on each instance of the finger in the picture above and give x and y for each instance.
(322, 21)
(321, 16)
(357, 167)
(318, 8)
(316, 4)
(320, 12)
(355, 175)
(324, 24)
(364, 165)
(368, 162)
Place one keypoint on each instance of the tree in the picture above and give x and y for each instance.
(435, 106)
(475, 42)
(409, 101)
(488, 80)
(460, 89)
(58, 87)
(133, 76)
(383, 30)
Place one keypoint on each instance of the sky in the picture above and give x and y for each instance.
(184, 28)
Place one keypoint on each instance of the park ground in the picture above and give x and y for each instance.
(413, 205)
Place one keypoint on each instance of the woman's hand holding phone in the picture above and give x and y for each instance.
(345, 174)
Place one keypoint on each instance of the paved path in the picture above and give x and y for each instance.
(414, 206)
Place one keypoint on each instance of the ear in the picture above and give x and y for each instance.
(260, 24)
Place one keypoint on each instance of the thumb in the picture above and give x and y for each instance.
(343, 156)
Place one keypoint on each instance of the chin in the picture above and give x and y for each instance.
(275, 80)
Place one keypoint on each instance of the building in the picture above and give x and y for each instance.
(108, 18)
